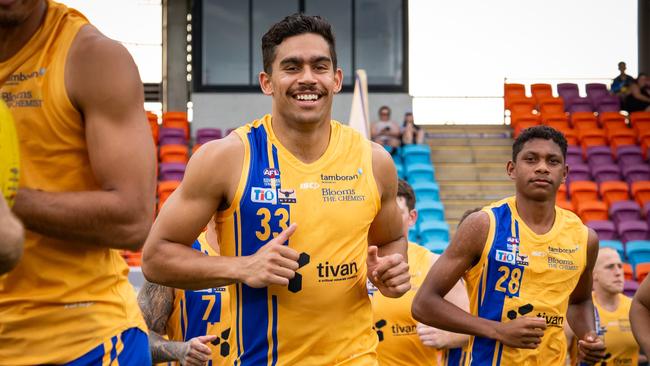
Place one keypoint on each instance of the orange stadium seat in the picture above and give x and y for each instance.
(174, 154)
(152, 118)
(605, 118)
(620, 137)
(570, 135)
(641, 192)
(584, 120)
(640, 120)
(540, 91)
(627, 272)
(592, 137)
(511, 91)
(567, 205)
(614, 191)
(561, 193)
(165, 189)
(176, 120)
(583, 191)
(521, 105)
(592, 210)
(641, 271)
(551, 106)
(558, 122)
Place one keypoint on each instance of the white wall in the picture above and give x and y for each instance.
(226, 110)
(465, 48)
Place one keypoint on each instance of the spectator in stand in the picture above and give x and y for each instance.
(386, 132)
(621, 84)
(411, 133)
(639, 97)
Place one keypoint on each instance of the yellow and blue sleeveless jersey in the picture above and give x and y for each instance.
(323, 317)
(399, 343)
(521, 273)
(202, 312)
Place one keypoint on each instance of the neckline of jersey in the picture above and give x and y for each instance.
(545, 238)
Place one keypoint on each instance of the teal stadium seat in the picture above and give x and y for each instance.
(420, 173)
(614, 244)
(436, 246)
(430, 211)
(416, 154)
(638, 251)
(400, 170)
(426, 191)
(434, 230)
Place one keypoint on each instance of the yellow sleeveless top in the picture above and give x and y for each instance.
(521, 273)
(622, 349)
(399, 343)
(324, 316)
(202, 312)
(64, 298)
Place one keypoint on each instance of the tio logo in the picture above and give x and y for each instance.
(264, 195)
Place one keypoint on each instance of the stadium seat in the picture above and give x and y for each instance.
(598, 155)
(574, 155)
(540, 91)
(551, 106)
(567, 91)
(592, 137)
(522, 105)
(596, 91)
(559, 123)
(614, 244)
(436, 246)
(519, 124)
(578, 173)
(571, 136)
(562, 193)
(426, 191)
(621, 137)
(592, 210)
(605, 229)
(607, 103)
(172, 171)
(171, 136)
(416, 154)
(176, 120)
(512, 91)
(624, 211)
(152, 118)
(628, 273)
(434, 230)
(420, 173)
(413, 235)
(430, 211)
(614, 191)
(641, 192)
(606, 172)
(639, 119)
(400, 171)
(632, 230)
(584, 120)
(605, 118)
(565, 204)
(579, 104)
(166, 188)
(636, 172)
(204, 135)
(641, 271)
(638, 251)
(628, 155)
(174, 154)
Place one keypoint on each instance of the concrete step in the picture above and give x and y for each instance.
(475, 190)
(454, 209)
(470, 154)
(470, 171)
(468, 129)
(487, 141)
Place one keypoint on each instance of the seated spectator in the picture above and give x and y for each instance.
(385, 131)
(411, 133)
(639, 97)
(621, 84)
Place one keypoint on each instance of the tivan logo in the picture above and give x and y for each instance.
(329, 178)
(505, 257)
(336, 272)
(264, 195)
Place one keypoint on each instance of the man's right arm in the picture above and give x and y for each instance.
(210, 181)
(430, 307)
(640, 316)
(11, 238)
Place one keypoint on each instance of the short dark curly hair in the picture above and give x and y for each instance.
(539, 132)
(293, 25)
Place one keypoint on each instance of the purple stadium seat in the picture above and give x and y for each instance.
(578, 172)
(630, 287)
(204, 135)
(172, 136)
(629, 155)
(605, 172)
(579, 104)
(172, 171)
(608, 103)
(595, 91)
(606, 230)
(567, 91)
(574, 155)
(636, 172)
(624, 211)
(597, 155)
(632, 230)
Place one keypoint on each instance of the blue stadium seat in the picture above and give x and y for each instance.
(413, 234)
(430, 211)
(614, 244)
(416, 154)
(397, 159)
(436, 246)
(638, 251)
(400, 170)
(434, 230)
(420, 173)
(426, 191)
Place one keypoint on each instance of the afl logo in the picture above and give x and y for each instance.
(271, 173)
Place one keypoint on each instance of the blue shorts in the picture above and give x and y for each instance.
(131, 347)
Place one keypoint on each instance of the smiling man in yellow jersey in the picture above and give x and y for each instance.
(306, 211)
(640, 316)
(613, 309)
(197, 323)
(527, 265)
(402, 340)
(77, 101)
